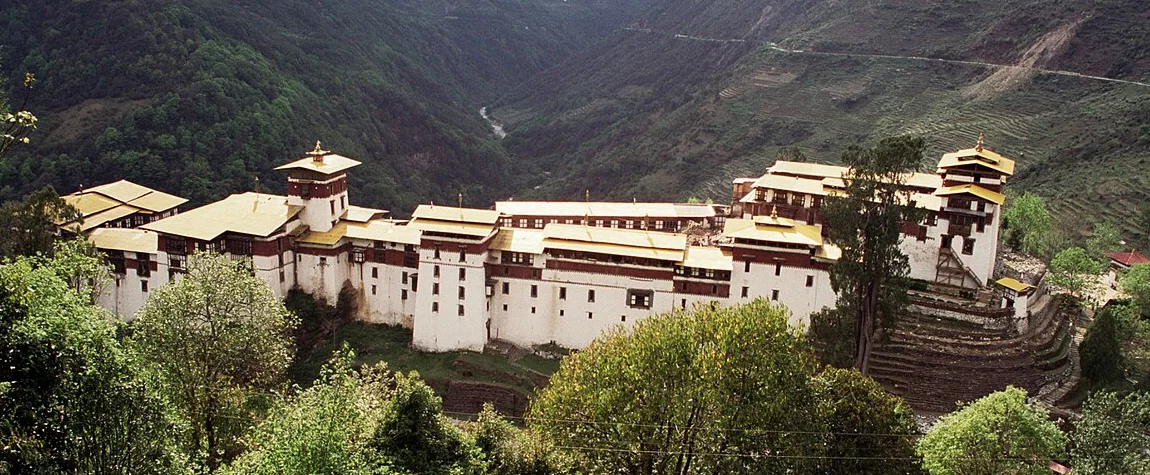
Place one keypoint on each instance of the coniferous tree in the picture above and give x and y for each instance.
(865, 222)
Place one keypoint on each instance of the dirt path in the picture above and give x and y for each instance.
(1008, 69)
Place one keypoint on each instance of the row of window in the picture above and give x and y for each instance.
(614, 223)
(462, 253)
(635, 298)
(435, 308)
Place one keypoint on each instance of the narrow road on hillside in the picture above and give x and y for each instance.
(776, 47)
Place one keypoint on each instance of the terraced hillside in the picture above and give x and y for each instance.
(660, 111)
(934, 362)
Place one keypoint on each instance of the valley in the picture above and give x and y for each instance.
(1037, 79)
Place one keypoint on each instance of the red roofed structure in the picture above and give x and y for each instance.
(1127, 259)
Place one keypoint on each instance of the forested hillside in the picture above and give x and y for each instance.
(697, 93)
(199, 97)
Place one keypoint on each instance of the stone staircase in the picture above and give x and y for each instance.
(935, 362)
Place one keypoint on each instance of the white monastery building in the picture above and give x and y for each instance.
(533, 273)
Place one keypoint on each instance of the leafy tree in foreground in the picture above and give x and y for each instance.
(833, 332)
(1074, 270)
(1029, 226)
(996, 435)
(868, 429)
(72, 400)
(511, 451)
(325, 429)
(32, 223)
(16, 125)
(218, 338)
(1113, 435)
(1136, 284)
(865, 223)
(416, 436)
(712, 390)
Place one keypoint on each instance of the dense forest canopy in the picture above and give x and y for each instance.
(200, 97)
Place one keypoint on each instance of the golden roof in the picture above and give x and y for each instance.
(614, 249)
(707, 258)
(527, 241)
(623, 237)
(792, 184)
(614, 241)
(828, 252)
(452, 227)
(1014, 284)
(330, 237)
(321, 161)
(977, 156)
(122, 191)
(991, 196)
(90, 203)
(249, 213)
(923, 180)
(125, 239)
(98, 219)
(925, 201)
(455, 214)
(809, 169)
(139, 196)
(774, 220)
(824, 180)
(112, 201)
(360, 214)
(157, 201)
(383, 231)
(778, 232)
(579, 209)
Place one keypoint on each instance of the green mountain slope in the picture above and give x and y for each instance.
(695, 94)
(200, 97)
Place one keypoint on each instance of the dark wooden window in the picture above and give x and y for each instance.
(143, 264)
(640, 298)
(239, 247)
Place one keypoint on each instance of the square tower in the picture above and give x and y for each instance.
(318, 184)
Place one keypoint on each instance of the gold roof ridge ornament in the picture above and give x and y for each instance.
(318, 154)
(978, 146)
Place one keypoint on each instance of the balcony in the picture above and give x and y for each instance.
(959, 230)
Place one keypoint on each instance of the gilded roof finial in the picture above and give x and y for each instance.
(587, 196)
(978, 146)
(461, 199)
(318, 153)
(774, 212)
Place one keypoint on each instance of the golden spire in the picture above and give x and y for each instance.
(587, 196)
(774, 212)
(978, 146)
(318, 153)
(461, 200)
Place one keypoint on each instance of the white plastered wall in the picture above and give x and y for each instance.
(445, 329)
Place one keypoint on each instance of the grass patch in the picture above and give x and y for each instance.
(391, 344)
